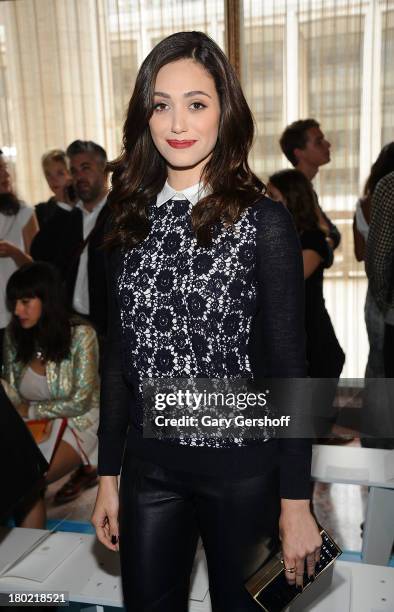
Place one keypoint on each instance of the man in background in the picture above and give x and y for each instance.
(82, 258)
(82, 263)
(306, 148)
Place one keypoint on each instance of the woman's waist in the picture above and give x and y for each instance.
(232, 461)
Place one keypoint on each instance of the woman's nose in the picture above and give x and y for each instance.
(179, 123)
(18, 308)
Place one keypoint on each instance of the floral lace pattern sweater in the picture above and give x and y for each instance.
(233, 310)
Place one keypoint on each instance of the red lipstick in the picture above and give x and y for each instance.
(181, 144)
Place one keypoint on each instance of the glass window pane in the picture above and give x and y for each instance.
(388, 77)
(262, 78)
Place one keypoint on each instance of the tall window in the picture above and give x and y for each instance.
(332, 51)
(388, 76)
(262, 77)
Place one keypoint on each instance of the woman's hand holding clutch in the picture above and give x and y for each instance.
(301, 540)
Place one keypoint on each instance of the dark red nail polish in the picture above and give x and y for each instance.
(114, 539)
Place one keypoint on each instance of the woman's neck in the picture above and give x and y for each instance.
(182, 178)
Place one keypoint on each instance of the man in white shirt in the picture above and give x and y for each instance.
(82, 258)
(83, 264)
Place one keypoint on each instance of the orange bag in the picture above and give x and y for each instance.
(40, 429)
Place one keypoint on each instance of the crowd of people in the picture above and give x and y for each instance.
(67, 306)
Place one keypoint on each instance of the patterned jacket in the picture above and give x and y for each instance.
(73, 383)
(379, 261)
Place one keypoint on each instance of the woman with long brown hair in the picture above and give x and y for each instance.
(324, 355)
(205, 275)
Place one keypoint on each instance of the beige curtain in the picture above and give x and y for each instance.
(59, 82)
(67, 69)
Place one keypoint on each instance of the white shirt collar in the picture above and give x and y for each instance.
(192, 194)
(96, 209)
(65, 206)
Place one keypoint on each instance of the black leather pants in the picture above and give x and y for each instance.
(163, 512)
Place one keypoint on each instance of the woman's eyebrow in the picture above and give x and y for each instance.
(188, 94)
(197, 92)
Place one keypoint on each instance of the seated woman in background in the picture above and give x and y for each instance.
(51, 367)
(324, 353)
(18, 226)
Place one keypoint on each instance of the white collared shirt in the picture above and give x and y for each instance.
(192, 194)
(81, 291)
(65, 206)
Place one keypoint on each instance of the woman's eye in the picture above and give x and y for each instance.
(160, 106)
(197, 105)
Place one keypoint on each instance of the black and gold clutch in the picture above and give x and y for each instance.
(270, 588)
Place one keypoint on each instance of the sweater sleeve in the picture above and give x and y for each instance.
(116, 396)
(281, 329)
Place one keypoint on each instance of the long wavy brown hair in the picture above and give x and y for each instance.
(383, 165)
(300, 200)
(139, 173)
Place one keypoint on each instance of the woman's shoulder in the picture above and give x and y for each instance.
(24, 213)
(265, 212)
(81, 330)
(362, 211)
